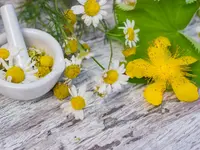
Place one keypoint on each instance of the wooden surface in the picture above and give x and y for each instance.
(123, 121)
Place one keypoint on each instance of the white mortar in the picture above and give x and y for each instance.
(41, 40)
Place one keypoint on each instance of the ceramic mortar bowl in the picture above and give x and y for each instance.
(41, 40)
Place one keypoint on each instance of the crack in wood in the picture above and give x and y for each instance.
(113, 110)
(109, 146)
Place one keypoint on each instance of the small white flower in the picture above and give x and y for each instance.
(86, 53)
(126, 5)
(92, 11)
(198, 31)
(74, 61)
(28, 68)
(80, 100)
(112, 79)
(131, 35)
(73, 68)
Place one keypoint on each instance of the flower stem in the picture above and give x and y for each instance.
(114, 3)
(93, 58)
(56, 4)
(111, 54)
(98, 63)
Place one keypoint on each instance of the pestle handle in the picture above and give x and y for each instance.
(13, 32)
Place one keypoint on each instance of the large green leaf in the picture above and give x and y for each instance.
(161, 18)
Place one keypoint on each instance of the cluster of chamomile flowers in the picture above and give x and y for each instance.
(29, 72)
(110, 80)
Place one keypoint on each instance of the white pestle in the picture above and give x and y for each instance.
(14, 35)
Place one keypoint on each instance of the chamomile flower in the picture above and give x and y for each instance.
(198, 31)
(16, 74)
(71, 16)
(112, 79)
(71, 45)
(79, 101)
(126, 4)
(73, 67)
(131, 34)
(86, 53)
(92, 11)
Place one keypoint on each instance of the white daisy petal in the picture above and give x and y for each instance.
(73, 91)
(82, 90)
(104, 13)
(78, 9)
(102, 2)
(79, 114)
(82, 2)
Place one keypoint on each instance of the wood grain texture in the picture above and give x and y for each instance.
(122, 121)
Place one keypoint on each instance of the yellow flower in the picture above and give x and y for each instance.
(71, 16)
(128, 52)
(72, 45)
(111, 77)
(72, 71)
(73, 68)
(165, 69)
(86, 46)
(46, 61)
(16, 73)
(61, 91)
(42, 71)
(4, 53)
(162, 42)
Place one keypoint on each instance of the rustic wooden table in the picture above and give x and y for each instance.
(123, 121)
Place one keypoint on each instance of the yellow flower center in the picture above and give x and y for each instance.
(61, 91)
(71, 16)
(111, 77)
(167, 71)
(130, 33)
(86, 46)
(4, 53)
(92, 8)
(72, 71)
(16, 73)
(46, 61)
(73, 45)
(42, 71)
(128, 52)
(78, 103)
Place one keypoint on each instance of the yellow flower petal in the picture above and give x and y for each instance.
(184, 89)
(162, 42)
(128, 52)
(139, 68)
(154, 92)
(158, 55)
(186, 60)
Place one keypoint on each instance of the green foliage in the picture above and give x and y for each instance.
(49, 15)
(161, 18)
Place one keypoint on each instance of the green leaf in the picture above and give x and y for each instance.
(161, 18)
(195, 44)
